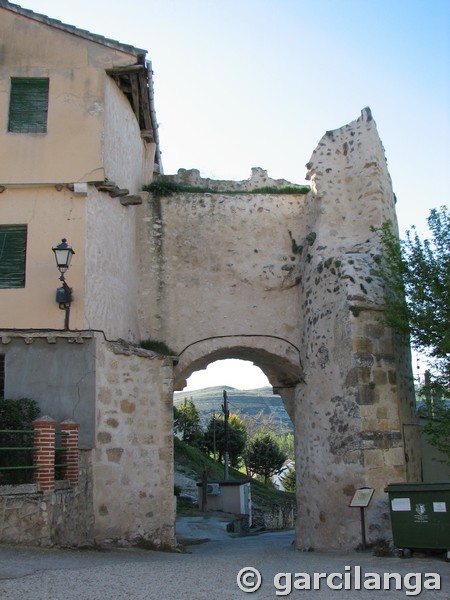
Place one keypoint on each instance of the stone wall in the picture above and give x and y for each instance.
(358, 391)
(133, 458)
(122, 396)
(274, 518)
(223, 275)
(217, 264)
(62, 517)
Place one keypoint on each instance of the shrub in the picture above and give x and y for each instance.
(162, 187)
(157, 346)
(17, 415)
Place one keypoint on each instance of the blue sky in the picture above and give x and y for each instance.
(245, 83)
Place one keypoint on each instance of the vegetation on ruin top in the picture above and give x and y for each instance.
(166, 187)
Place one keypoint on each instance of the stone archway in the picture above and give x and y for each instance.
(286, 281)
(277, 358)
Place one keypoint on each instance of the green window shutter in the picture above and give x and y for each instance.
(13, 249)
(28, 106)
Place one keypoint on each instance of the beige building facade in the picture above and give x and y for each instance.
(79, 139)
(76, 174)
(283, 280)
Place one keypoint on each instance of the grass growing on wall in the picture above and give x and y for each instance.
(157, 346)
(167, 187)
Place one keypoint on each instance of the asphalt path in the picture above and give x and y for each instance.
(208, 570)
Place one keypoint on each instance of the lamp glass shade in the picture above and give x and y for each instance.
(63, 255)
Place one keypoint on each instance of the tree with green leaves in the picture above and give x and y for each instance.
(416, 274)
(18, 414)
(264, 456)
(286, 443)
(214, 438)
(186, 421)
(289, 480)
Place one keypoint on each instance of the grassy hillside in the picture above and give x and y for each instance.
(196, 461)
(252, 405)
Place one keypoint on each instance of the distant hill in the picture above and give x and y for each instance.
(254, 406)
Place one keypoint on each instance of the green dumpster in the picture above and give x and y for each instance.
(420, 515)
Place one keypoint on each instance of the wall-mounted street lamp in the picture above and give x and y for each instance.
(63, 255)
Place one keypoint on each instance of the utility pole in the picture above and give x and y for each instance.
(214, 436)
(428, 394)
(226, 413)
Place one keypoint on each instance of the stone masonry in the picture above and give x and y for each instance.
(287, 282)
(283, 280)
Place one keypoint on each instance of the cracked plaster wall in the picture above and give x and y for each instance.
(56, 371)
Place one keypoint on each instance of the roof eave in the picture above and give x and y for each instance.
(140, 53)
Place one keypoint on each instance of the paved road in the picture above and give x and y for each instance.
(207, 571)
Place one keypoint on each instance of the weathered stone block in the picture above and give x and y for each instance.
(364, 375)
(374, 330)
(379, 376)
(366, 394)
(127, 407)
(373, 458)
(104, 437)
(363, 359)
(362, 344)
(114, 454)
(382, 412)
(395, 457)
(392, 376)
(382, 439)
(352, 378)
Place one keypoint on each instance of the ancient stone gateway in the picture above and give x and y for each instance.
(286, 281)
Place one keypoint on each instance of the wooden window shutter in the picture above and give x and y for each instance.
(28, 105)
(13, 249)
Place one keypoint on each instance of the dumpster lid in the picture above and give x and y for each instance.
(438, 486)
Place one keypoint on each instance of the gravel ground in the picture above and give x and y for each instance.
(206, 571)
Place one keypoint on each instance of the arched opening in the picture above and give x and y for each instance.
(278, 359)
(249, 394)
(232, 372)
(252, 399)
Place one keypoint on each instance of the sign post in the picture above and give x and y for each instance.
(361, 498)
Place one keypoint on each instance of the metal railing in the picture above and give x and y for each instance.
(17, 452)
(60, 456)
(16, 456)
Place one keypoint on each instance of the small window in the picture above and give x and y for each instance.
(28, 106)
(2, 375)
(13, 250)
